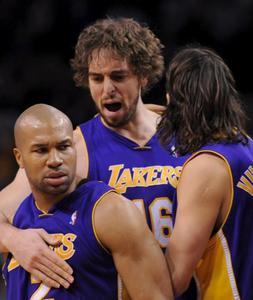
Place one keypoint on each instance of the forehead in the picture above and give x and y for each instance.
(42, 133)
(106, 60)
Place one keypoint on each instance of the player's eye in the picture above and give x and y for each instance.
(118, 77)
(63, 147)
(96, 78)
(40, 150)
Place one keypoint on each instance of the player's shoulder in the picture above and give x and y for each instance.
(94, 187)
(86, 129)
(205, 169)
(90, 122)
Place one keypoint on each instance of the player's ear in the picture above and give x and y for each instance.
(144, 82)
(18, 157)
(168, 98)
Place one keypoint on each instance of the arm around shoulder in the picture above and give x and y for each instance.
(13, 194)
(137, 256)
(159, 109)
(28, 246)
(10, 198)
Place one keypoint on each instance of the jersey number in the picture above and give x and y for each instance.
(160, 217)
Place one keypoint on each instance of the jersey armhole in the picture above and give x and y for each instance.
(84, 151)
(228, 167)
(93, 221)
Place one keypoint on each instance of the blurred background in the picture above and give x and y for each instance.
(38, 39)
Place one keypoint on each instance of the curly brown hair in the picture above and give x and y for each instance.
(204, 105)
(128, 40)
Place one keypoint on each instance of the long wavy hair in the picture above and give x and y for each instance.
(126, 39)
(203, 103)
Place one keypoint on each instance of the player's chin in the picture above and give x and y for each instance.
(111, 114)
(57, 190)
(115, 119)
(113, 122)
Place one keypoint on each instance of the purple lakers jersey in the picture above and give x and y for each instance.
(226, 268)
(71, 221)
(147, 174)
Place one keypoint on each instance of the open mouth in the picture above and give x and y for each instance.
(113, 106)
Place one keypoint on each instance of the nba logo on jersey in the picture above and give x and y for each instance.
(73, 218)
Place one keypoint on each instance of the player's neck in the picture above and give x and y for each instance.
(45, 201)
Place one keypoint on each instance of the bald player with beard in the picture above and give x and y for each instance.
(100, 231)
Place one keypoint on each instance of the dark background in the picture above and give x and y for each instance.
(38, 37)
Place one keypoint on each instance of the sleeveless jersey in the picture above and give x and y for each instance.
(226, 269)
(71, 220)
(146, 175)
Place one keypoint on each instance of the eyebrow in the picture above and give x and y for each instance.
(114, 72)
(39, 145)
(45, 144)
(65, 141)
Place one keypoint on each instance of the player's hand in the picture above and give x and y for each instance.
(159, 109)
(30, 249)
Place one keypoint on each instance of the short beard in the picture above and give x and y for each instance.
(120, 123)
(125, 120)
(53, 190)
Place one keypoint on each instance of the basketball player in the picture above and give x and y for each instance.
(212, 235)
(97, 227)
(118, 60)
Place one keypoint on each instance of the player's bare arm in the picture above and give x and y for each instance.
(200, 212)
(30, 247)
(82, 154)
(10, 198)
(157, 108)
(139, 260)
(13, 194)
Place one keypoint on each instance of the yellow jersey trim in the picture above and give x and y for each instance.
(86, 153)
(93, 220)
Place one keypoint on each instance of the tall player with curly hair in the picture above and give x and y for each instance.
(118, 60)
